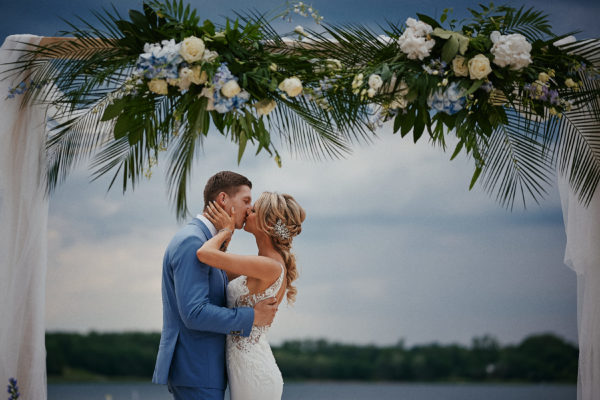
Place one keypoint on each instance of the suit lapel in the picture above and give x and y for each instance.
(203, 227)
(208, 235)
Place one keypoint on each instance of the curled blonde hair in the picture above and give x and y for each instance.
(270, 208)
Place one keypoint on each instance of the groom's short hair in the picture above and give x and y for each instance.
(224, 181)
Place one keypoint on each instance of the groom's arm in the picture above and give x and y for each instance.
(191, 279)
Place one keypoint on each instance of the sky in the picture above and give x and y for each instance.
(394, 247)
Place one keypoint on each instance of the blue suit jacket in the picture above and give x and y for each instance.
(195, 317)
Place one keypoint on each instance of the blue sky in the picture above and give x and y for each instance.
(394, 247)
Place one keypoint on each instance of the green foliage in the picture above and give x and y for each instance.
(514, 136)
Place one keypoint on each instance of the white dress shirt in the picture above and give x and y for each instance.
(209, 225)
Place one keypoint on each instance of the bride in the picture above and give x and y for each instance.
(274, 221)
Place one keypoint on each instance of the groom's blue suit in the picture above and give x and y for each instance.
(191, 355)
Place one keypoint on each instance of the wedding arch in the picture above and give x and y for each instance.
(521, 101)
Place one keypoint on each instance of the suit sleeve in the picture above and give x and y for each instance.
(191, 279)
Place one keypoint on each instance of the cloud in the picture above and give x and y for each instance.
(394, 246)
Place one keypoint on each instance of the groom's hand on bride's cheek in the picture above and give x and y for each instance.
(264, 312)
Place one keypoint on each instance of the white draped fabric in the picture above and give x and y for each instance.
(582, 254)
(23, 233)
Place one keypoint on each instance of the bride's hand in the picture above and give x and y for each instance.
(219, 217)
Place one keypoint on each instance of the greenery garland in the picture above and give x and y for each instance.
(128, 90)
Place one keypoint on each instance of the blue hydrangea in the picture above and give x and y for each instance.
(223, 104)
(160, 61)
(450, 101)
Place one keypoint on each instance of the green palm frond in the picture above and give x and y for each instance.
(182, 153)
(517, 164)
(532, 24)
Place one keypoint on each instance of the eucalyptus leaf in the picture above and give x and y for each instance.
(450, 49)
(474, 86)
(113, 110)
(242, 145)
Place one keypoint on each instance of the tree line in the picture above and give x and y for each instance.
(538, 358)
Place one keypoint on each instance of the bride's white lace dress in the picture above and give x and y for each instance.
(251, 368)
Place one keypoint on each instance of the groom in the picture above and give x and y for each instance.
(196, 320)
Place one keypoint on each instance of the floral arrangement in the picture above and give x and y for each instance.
(503, 84)
(162, 79)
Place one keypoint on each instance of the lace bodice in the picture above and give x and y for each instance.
(251, 368)
(238, 295)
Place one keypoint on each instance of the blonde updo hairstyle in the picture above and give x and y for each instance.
(271, 207)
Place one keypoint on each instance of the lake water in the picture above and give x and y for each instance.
(331, 390)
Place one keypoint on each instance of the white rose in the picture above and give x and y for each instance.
(192, 49)
(292, 86)
(265, 106)
(230, 88)
(199, 76)
(479, 67)
(399, 102)
(300, 30)
(375, 82)
(209, 56)
(459, 66)
(158, 86)
(511, 50)
(371, 92)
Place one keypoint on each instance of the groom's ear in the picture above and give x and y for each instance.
(222, 199)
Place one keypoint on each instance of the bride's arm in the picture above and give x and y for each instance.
(263, 268)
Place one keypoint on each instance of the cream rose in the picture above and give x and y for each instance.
(265, 106)
(570, 83)
(199, 76)
(158, 86)
(185, 78)
(543, 77)
(192, 49)
(208, 92)
(291, 86)
(459, 66)
(230, 88)
(371, 92)
(479, 67)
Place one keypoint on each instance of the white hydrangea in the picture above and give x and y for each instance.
(415, 41)
(511, 50)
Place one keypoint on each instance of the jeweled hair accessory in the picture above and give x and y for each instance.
(281, 230)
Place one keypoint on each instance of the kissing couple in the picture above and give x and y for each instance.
(218, 306)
